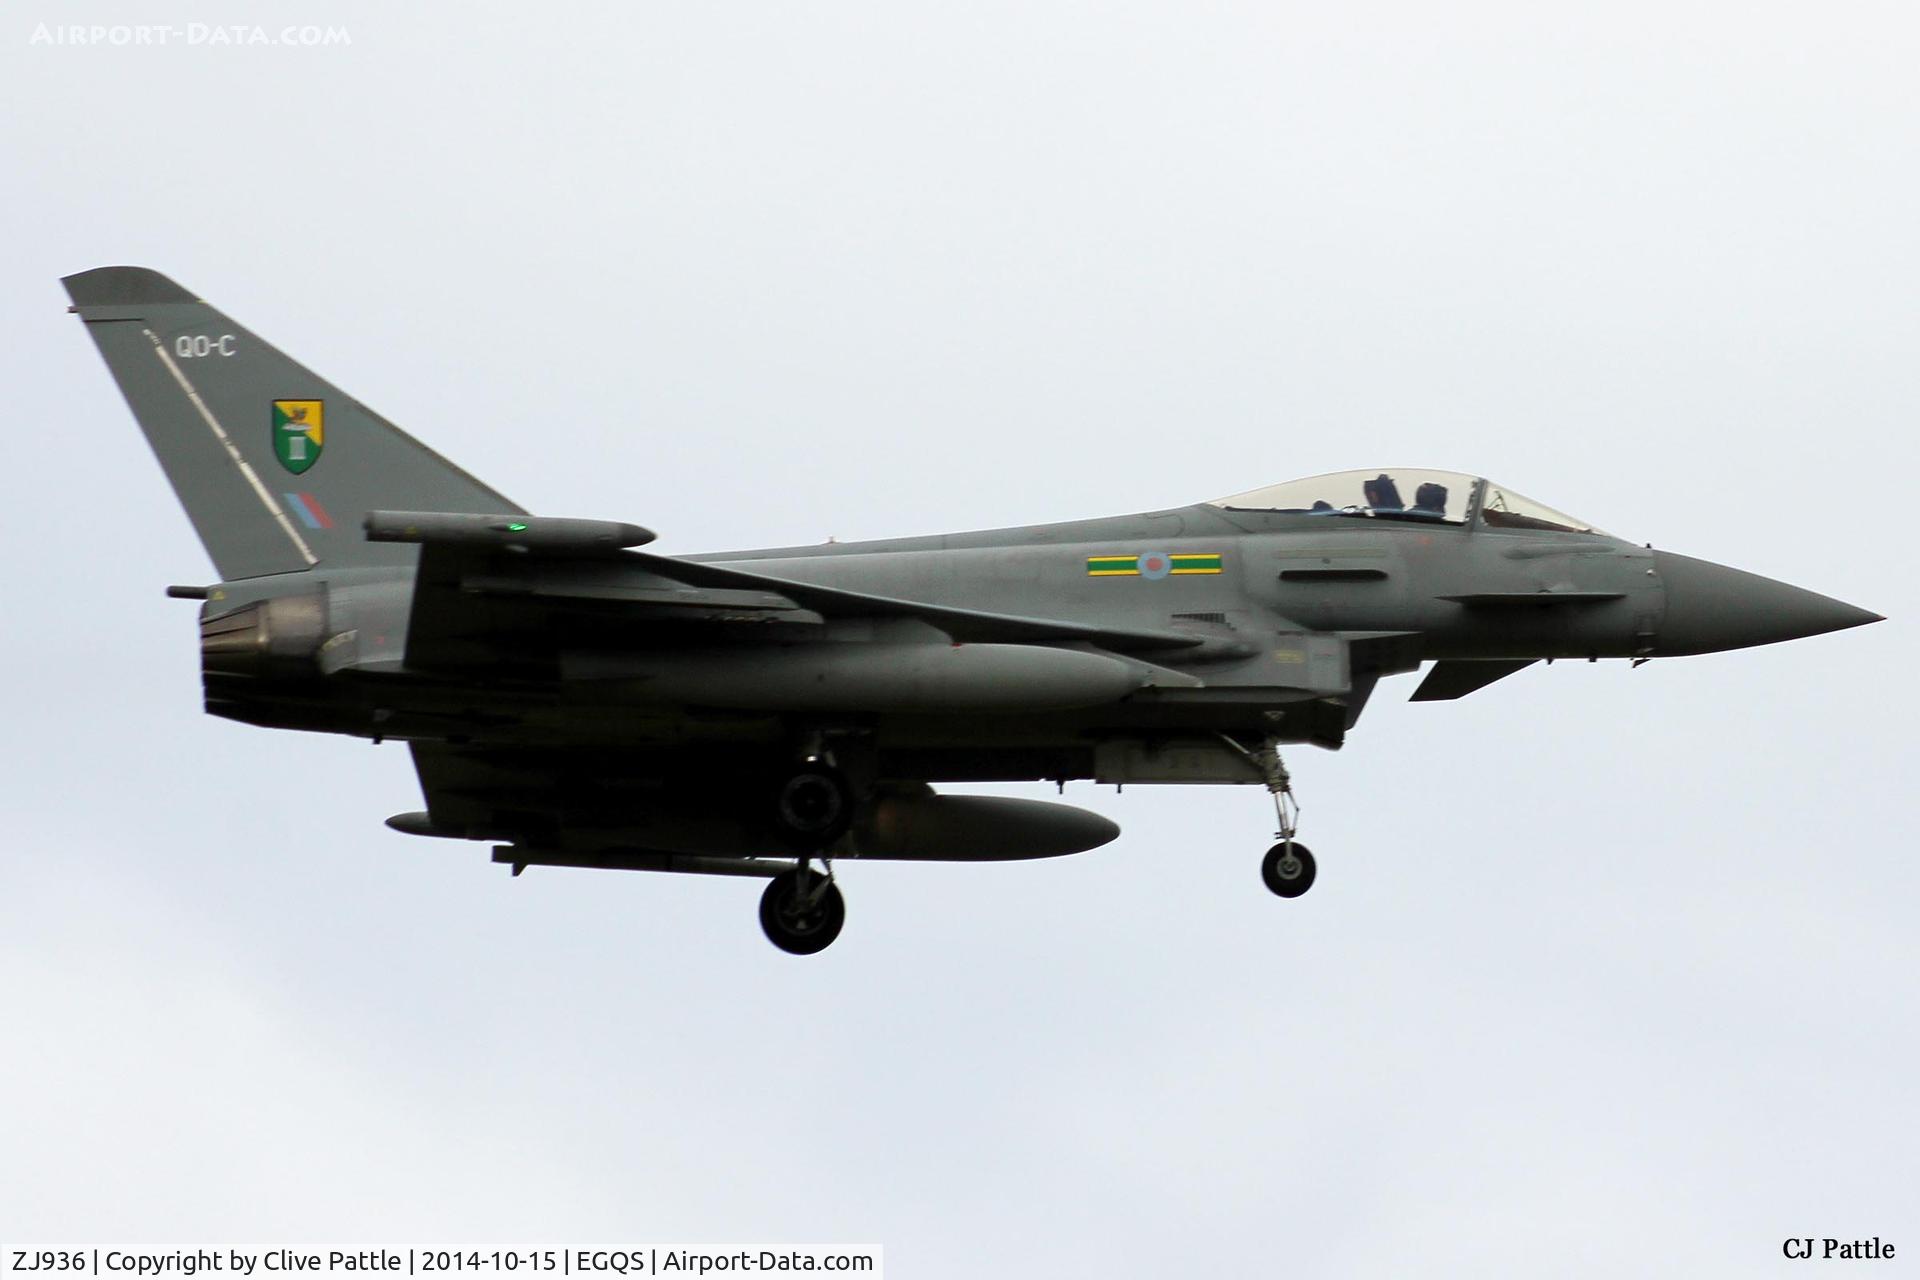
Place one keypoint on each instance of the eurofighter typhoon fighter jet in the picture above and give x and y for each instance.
(580, 702)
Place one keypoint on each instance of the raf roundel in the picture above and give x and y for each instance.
(1155, 564)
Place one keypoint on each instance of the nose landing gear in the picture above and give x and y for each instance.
(1288, 868)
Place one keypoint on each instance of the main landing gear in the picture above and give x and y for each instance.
(801, 910)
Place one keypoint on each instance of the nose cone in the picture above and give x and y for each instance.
(1711, 607)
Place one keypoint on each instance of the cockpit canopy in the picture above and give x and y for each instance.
(1408, 493)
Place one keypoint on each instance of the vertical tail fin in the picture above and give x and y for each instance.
(275, 465)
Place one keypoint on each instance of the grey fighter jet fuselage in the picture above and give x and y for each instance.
(580, 701)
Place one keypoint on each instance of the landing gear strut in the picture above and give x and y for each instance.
(802, 910)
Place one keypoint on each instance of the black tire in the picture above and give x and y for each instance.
(812, 807)
(798, 929)
(1288, 880)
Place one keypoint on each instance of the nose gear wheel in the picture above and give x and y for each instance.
(1288, 869)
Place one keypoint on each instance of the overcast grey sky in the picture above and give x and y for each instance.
(1607, 972)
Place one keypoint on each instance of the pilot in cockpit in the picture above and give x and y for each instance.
(1430, 500)
(1439, 497)
(1383, 494)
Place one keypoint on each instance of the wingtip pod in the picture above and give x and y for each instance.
(123, 286)
(537, 533)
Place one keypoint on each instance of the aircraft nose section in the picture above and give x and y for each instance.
(1711, 607)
